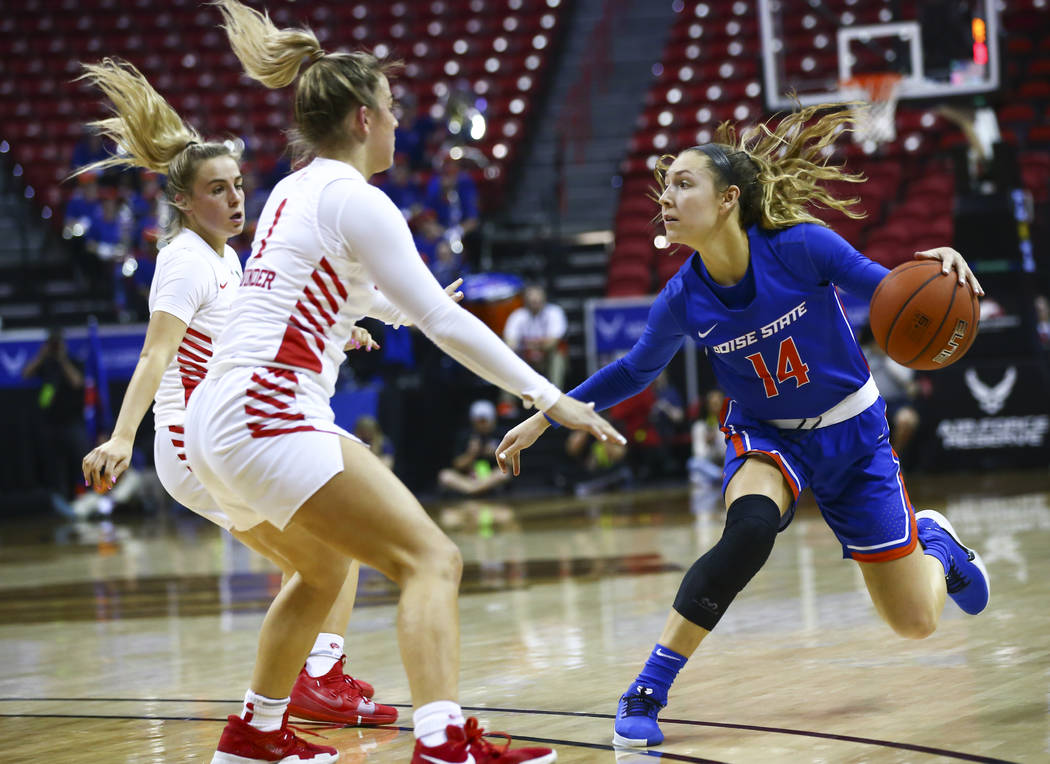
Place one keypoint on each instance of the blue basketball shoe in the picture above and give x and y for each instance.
(966, 576)
(635, 724)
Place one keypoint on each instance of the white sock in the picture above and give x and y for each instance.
(430, 721)
(327, 650)
(263, 713)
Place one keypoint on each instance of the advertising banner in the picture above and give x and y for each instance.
(989, 414)
(119, 348)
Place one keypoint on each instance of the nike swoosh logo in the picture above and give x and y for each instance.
(662, 654)
(223, 286)
(468, 760)
(704, 334)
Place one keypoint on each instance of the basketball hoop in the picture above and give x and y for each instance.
(874, 122)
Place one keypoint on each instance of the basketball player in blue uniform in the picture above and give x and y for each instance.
(760, 293)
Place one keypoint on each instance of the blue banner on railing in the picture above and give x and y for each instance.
(119, 348)
(615, 324)
(611, 327)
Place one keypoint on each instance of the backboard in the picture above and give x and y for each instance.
(943, 49)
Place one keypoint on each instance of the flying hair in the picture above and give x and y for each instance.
(781, 169)
(150, 132)
(328, 86)
(143, 124)
(268, 54)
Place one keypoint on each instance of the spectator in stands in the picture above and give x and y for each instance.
(414, 132)
(367, 429)
(62, 435)
(446, 266)
(473, 469)
(453, 195)
(668, 412)
(705, 465)
(399, 183)
(427, 233)
(536, 332)
(129, 200)
(602, 462)
(899, 388)
(89, 149)
(255, 196)
(83, 206)
(105, 238)
(82, 209)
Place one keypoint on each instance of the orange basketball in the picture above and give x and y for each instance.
(923, 318)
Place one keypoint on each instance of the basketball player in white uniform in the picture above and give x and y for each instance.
(260, 431)
(196, 278)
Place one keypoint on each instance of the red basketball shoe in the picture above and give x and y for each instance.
(468, 741)
(337, 698)
(241, 743)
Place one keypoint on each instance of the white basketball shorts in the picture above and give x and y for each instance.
(262, 441)
(169, 457)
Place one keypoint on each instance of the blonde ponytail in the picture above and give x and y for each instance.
(145, 126)
(270, 55)
(329, 88)
(150, 133)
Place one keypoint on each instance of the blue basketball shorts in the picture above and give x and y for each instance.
(850, 467)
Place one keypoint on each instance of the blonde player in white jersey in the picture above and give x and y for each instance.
(260, 430)
(196, 278)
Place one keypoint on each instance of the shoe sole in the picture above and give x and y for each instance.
(545, 759)
(351, 720)
(232, 758)
(633, 742)
(946, 526)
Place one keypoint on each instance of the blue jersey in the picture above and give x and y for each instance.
(786, 353)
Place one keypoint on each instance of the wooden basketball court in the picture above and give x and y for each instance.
(131, 642)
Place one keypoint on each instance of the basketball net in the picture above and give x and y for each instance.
(875, 121)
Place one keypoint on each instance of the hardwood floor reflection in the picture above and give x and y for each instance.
(131, 642)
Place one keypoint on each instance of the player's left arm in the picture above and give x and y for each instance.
(387, 312)
(835, 260)
(361, 338)
(952, 260)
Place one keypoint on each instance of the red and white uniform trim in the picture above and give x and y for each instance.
(198, 287)
(260, 429)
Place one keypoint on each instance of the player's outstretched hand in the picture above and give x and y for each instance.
(574, 414)
(517, 440)
(361, 339)
(452, 290)
(106, 463)
(951, 259)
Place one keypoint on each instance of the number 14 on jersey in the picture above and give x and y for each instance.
(789, 366)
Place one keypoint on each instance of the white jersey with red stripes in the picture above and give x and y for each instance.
(326, 243)
(197, 286)
(301, 292)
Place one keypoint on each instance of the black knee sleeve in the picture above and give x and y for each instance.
(724, 570)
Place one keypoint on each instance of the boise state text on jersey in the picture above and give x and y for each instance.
(784, 351)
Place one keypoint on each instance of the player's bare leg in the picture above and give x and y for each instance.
(292, 621)
(759, 496)
(908, 593)
(322, 691)
(367, 513)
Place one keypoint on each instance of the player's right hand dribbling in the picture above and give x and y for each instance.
(106, 463)
(574, 414)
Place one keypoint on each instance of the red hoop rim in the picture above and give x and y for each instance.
(878, 85)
